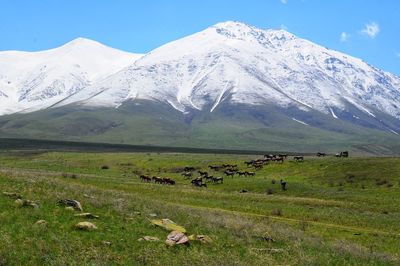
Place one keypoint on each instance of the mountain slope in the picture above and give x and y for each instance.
(241, 64)
(144, 122)
(229, 86)
(35, 80)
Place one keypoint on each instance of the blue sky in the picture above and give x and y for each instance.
(368, 29)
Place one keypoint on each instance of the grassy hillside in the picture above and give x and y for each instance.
(336, 211)
(238, 127)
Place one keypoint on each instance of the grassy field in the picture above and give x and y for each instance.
(335, 211)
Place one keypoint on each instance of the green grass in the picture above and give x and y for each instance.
(227, 127)
(335, 211)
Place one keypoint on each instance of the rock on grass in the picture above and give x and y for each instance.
(86, 226)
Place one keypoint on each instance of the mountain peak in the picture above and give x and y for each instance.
(82, 42)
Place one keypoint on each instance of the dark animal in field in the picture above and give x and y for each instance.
(209, 178)
(187, 174)
(158, 180)
(270, 156)
(321, 154)
(215, 167)
(202, 173)
(278, 159)
(218, 179)
(198, 182)
(342, 154)
(188, 169)
(240, 173)
(283, 185)
(284, 155)
(145, 178)
(250, 173)
(258, 166)
(197, 179)
(243, 191)
(229, 173)
(168, 181)
(298, 158)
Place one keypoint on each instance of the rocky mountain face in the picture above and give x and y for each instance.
(31, 81)
(225, 70)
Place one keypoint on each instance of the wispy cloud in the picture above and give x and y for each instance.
(344, 37)
(284, 1)
(371, 29)
(398, 54)
(283, 27)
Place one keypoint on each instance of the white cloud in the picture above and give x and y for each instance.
(344, 37)
(371, 29)
(284, 1)
(283, 27)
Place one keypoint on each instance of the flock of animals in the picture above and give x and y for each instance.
(230, 170)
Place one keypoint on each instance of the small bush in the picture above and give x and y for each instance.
(273, 181)
(270, 191)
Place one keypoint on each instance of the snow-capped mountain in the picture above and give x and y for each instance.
(31, 81)
(235, 62)
(229, 62)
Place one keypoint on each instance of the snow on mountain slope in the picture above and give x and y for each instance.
(229, 62)
(235, 62)
(35, 80)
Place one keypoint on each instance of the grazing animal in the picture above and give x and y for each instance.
(258, 166)
(218, 180)
(283, 155)
(250, 173)
(278, 159)
(215, 167)
(229, 173)
(298, 158)
(209, 178)
(168, 181)
(342, 154)
(187, 174)
(197, 179)
(283, 185)
(321, 154)
(145, 178)
(158, 180)
(198, 182)
(240, 173)
(202, 173)
(188, 169)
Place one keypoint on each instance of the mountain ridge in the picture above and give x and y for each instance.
(230, 84)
